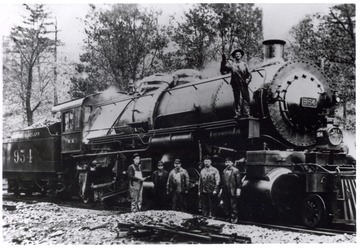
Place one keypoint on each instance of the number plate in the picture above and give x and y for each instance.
(308, 102)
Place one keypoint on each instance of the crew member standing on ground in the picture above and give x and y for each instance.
(230, 190)
(159, 178)
(240, 78)
(208, 187)
(136, 183)
(178, 186)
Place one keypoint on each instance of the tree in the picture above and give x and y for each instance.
(13, 106)
(30, 75)
(195, 38)
(210, 30)
(329, 40)
(123, 44)
(239, 25)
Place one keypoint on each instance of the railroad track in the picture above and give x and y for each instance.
(73, 203)
(151, 233)
(302, 229)
(77, 203)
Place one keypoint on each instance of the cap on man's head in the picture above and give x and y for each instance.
(207, 157)
(177, 160)
(136, 155)
(160, 163)
(237, 50)
(229, 159)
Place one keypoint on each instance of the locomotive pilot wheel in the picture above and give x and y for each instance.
(313, 211)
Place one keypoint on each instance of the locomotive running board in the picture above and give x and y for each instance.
(208, 126)
(108, 153)
(249, 123)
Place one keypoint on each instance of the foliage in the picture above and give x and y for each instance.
(329, 40)
(195, 37)
(28, 67)
(210, 30)
(123, 44)
(239, 26)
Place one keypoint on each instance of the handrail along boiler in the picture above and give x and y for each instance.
(291, 153)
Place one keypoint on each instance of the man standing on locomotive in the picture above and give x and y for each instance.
(159, 178)
(136, 183)
(230, 190)
(178, 186)
(208, 187)
(240, 78)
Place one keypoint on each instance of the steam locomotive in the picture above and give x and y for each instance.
(290, 151)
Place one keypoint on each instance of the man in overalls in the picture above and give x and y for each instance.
(136, 183)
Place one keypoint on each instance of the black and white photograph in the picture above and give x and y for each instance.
(187, 123)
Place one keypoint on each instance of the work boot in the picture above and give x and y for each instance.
(234, 220)
(237, 114)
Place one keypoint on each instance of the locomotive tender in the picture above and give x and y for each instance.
(291, 153)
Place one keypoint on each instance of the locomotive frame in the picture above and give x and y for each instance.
(290, 153)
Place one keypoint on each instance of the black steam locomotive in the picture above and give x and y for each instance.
(290, 151)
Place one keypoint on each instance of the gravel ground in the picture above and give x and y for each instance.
(51, 224)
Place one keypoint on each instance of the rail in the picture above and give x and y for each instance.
(300, 229)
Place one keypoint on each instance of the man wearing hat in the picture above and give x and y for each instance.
(208, 187)
(136, 183)
(230, 189)
(240, 78)
(178, 186)
(159, 178)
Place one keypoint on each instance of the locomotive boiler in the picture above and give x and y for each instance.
(290, 151)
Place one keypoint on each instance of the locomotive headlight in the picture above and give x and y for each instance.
(331, 136)
(335, 136)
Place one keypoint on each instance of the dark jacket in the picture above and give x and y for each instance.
(209, 180)
(231, 180)
(160, 181)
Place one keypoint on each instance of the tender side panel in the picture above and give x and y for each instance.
(71, 142)
(34, 151)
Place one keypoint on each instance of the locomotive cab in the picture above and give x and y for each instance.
(71, 126)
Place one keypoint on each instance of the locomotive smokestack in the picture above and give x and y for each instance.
(273, 51)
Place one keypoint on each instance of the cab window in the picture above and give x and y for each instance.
(77, 118)
(87, 113)
(68, 121)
